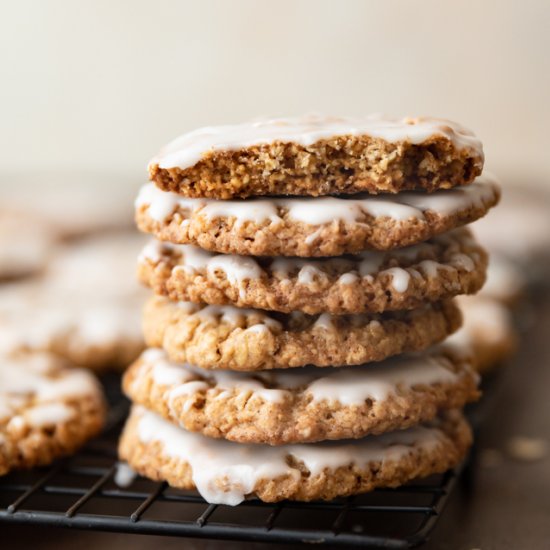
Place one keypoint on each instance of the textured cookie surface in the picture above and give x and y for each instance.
(319, 155)
(322, 226)
(226, 337)
(488, 334)
(46, 410)
(406, 278)
(86, 308)
(225, 472)
(302, 405)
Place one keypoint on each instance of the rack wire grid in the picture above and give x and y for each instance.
(81, 492)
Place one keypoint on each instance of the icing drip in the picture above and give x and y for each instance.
(348, 386)
(239, 269)
(188, 149)
(124, 475)
(236, 268)
(226, 472)
(37, 379)
(400, 278)
(235, 316)
(48, 414)
(319, 211)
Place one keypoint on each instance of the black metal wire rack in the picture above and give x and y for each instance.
(80, 492)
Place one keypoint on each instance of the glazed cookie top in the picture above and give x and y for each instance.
(305, 405)
(190, 148)
(443, 267)
(322, 226)
(226, 337)
(85, 308)
(256, 158)
(347, 386)
(35, 390)
(242, 467)
(488, 334)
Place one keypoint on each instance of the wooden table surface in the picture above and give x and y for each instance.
(508, 508)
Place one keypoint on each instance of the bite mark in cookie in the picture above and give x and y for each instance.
(319, 155)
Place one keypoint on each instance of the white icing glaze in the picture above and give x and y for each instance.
(324, 322)
(37, 378)
(48, 414)
(124, 475)
(189, 148)
(239, 269)
(226, 472)
(347, 385)
(153, 251)
(256, 211)
(236, 268)
(86, 305)
(400, 278)
(233, 315)
(348, 279)
(449, 201)
(81, 322)
(319, 211)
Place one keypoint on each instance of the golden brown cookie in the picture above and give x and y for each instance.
(86, 308)
(226, 473)
(319, 155)
(226, 337)
(306, 404)
(46, 410)
(322, 226)
(407, 278)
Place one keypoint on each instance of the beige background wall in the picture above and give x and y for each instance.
(100, 85)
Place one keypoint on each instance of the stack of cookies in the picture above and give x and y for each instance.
(304, 271)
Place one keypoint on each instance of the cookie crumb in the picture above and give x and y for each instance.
(527, 449)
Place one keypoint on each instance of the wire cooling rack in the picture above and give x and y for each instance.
(80, 492)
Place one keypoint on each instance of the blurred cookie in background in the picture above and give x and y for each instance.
(86, 308)
(46, 409)
(487, 333)
(489, 330)
(104, 263)
(519, 229)
(26, 244)
(506, 281)
(75, 204)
